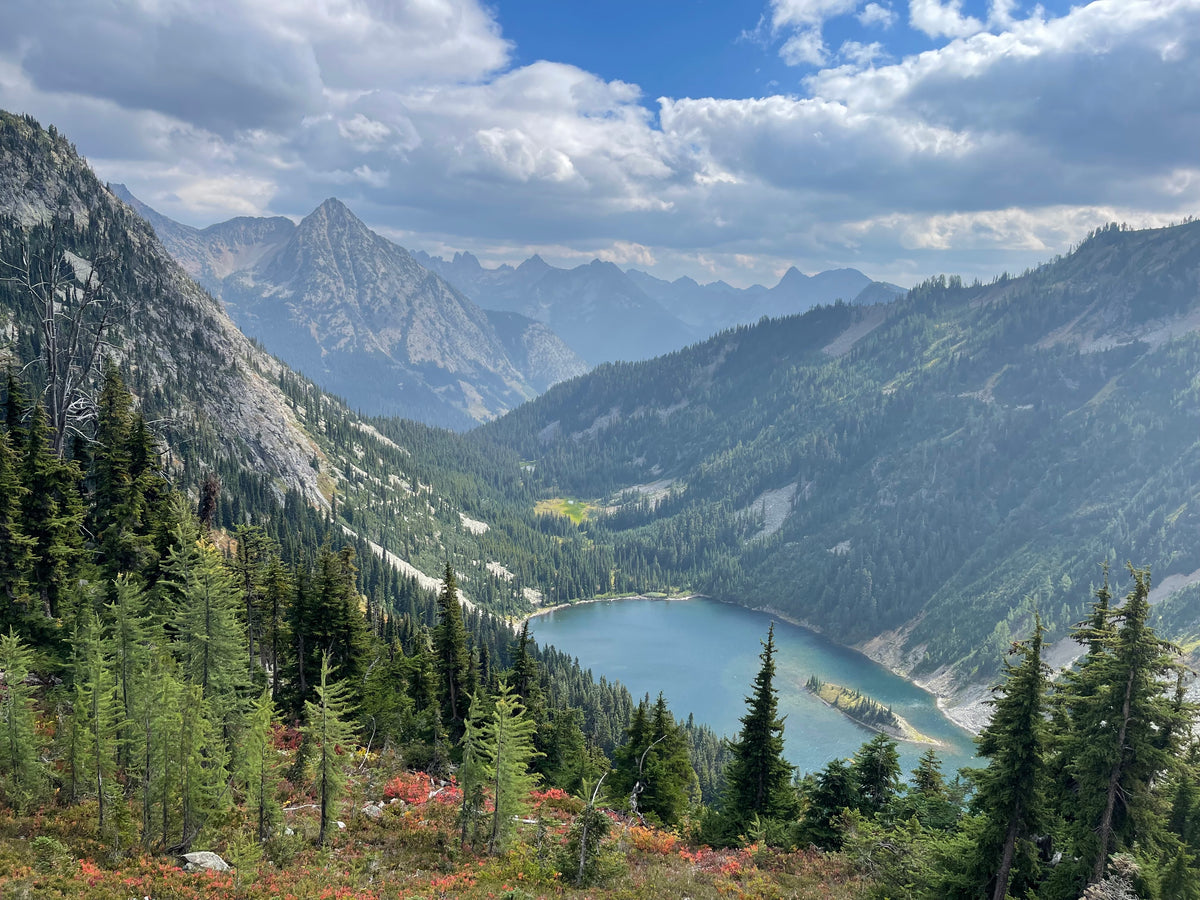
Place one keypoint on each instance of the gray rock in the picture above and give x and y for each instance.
(204, 859)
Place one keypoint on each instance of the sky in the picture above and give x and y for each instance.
(719, 139)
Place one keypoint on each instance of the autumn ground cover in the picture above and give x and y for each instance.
(410, 851)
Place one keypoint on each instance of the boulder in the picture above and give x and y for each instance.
(204, 859)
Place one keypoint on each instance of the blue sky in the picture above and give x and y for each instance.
(697, 48)
(711, 139)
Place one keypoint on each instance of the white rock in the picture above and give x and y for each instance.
(205, 859)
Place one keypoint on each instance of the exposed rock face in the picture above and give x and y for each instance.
(176, 340)
(358, 314)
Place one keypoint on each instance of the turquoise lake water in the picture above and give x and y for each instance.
(703, 655)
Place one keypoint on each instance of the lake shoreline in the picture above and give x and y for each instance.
(703, 654)
(518, 621)
(971, 717)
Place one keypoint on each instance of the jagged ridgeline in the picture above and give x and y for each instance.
(927, 472)
(274, 451)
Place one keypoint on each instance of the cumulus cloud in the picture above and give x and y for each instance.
(1000, 146)
(874, 14)
(938, 19)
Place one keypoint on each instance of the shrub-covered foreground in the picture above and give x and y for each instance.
(409, 848)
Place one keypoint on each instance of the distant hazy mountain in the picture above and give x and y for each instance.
(606, 314)
(596, 308)
(716, 306)
(358, 314)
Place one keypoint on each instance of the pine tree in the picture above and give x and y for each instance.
(758, 778)
(16, 547)
(329, 735)
(1010, 792)
(52, 512)
(453, 658)
(1124, 725)
(876, 773)
(209, 638)
(259, 764)
(503, 744)
(22, 773)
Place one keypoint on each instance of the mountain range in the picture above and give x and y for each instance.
(357, 313)
(607, 314)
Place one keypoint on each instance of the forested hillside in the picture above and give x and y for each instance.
(937, 468)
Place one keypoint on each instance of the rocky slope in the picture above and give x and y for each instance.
(359, 315)
(218, 402)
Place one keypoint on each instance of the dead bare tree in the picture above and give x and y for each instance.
(74, 316)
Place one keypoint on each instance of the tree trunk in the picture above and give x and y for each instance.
(1006, 857)
(1114, 782)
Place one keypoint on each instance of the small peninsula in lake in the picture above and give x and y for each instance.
(865, 711)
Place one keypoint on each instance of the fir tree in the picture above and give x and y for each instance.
(653, 768)
(16, 547)
(876, 773)
(1010, 792)
(452, 655)
(52, 513)
(758, 778)
(1123, 728)
(329, 735)
(22, 773)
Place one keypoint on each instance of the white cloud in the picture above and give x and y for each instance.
(804, 47)
(1000, 146)
(628, 253)
(874, 14)
(808, 12)
(861, 55)
(939, 19)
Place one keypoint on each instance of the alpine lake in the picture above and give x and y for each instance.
(703, 656)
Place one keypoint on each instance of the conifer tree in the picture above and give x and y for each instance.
(504, 744)
(474, 774)
(259, 764)
(758, 778)
(329, 735)
(875, 769)
(129, 642)
(653, 767)
(452, 655)
(94, 722)
(832, 792)
(16, 547)
(52, 512)
(209, 638)
(161, 724)
(22, 773)
(201, 764)
(1123, 731)
(1010, 792)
